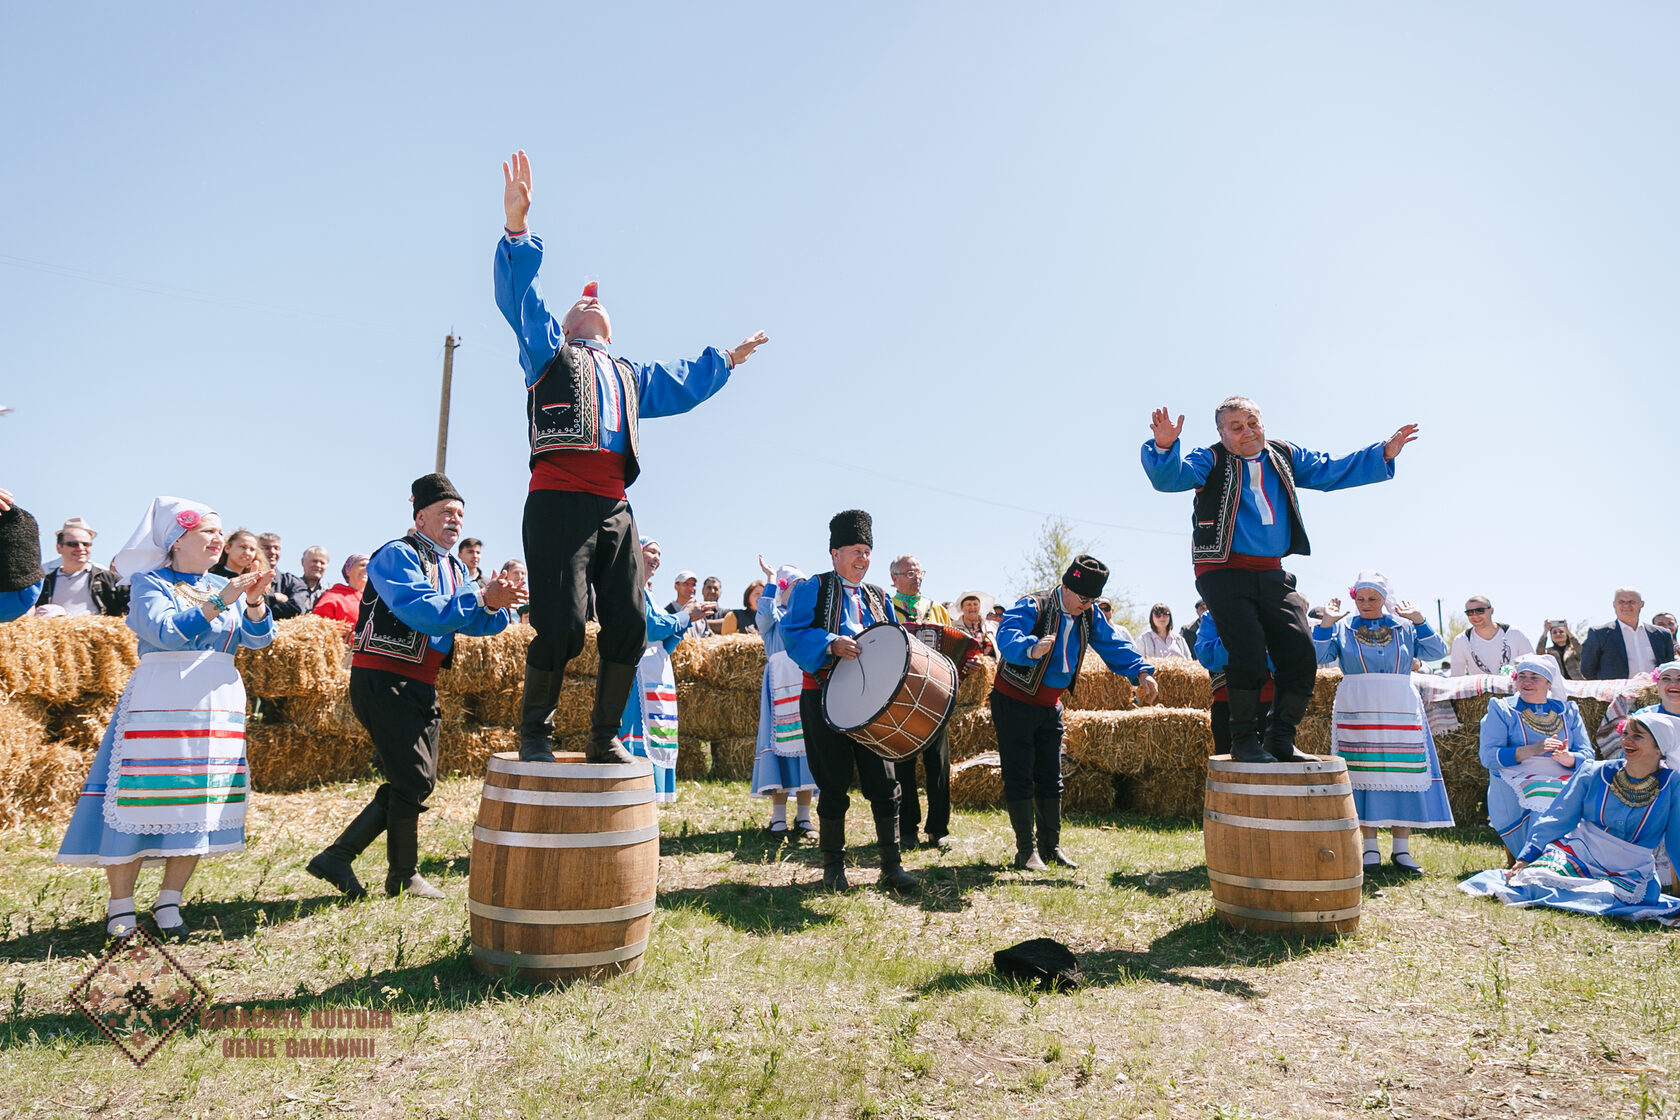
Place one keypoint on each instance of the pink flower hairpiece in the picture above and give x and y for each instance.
(1621, 726)
(783, 583)
(188, 519)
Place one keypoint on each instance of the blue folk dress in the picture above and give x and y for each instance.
(1512, 722)
(1386, 645)
(649, 727)
(170, 778)
(779, 764)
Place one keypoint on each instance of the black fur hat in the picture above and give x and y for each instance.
(850, 526)
(432, 488)
(1043, 959)
(1086, 576)
(20, 550)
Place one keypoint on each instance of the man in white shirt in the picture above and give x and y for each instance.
(1623, 649)
(1488, 647)
(77, 587)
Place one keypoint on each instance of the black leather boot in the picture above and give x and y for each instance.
(831, 840)
(1245, 736)
(402, 845)
(1050, 832)
(1287, 710)
(893, 876)
(536, 714)
(334, 864)
(1021, 820)
(612, 692)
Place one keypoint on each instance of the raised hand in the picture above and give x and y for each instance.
(516, 189)
(744, 351)
(1399, 440)
(1164, 430)
(1331, 613)
(1408, 612)
(769, 574)
(6, 500)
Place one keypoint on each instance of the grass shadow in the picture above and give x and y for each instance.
(1162, 884)
(746, 845)
(214, 919)
(751, 907)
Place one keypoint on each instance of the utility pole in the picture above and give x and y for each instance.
(450, 342)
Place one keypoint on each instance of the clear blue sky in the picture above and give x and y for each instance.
(984, 239)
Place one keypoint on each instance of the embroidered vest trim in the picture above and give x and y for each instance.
(1213, 523)
(826, 616)
(563, 414)
(380, 631)
(1028, 678)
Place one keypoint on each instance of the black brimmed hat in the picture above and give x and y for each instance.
(1044, 960)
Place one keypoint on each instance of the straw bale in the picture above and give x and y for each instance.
(329, 713)
(1142, 740)
(714, 714)
(732, 759)
(306, 658)
(1086, 790)
(1098, 689)
(1324, 692)
(970, 733)
(694, 758)
(284, 759)
(1167, 794)
(39, 781)
(59, 659)
(974, 688)
(1313, 734)
(1184, 684)
(490, 664)
(977, 781)
(81, 725)
(499, 708)
(1462, 772)
(465, 748)
(687, 659)
(733, 662)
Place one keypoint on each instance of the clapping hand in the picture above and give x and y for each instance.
(239, 585)
(1162, 427)
(1398, 440)
(1411, 614)
(698, 609)
(1331, 613)
(516, 189)
(254, 595)
(504, 591)
(1560, 752)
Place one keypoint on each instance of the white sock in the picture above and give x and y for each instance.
(123, 906)
(1373, 854)
(167, 909)
(1403, 855)
(1402, 845)
(803, 815)
(778, 812)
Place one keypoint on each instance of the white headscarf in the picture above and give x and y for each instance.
(167, 520)
(1665, 729)
(1374, 580)
(1547, 666)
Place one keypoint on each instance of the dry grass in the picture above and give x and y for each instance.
(713, 714)
(977, 685)
(1153, 739)
(1183, 684)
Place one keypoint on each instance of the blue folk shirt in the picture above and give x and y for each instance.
(164, 625)
(16, 604)
(1263, 511)
(661, 389)
(662, 626)
(1503, 731)
(1015, 638)
(808, 644)
(1584, 795)
(455, 606)
(1337, 645)
(769, 618)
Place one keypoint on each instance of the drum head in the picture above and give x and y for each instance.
(861, 688)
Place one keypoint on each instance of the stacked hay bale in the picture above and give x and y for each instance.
(718, 682)
(1159, 753)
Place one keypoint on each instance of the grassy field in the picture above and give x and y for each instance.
(764, 997)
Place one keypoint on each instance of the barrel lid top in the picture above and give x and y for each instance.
(567, 764)
(1225, 764)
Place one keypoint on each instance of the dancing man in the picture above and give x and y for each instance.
(1245, 519)
(417, 598)
(582, 405)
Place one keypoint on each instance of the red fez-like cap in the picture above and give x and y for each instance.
(591, 290)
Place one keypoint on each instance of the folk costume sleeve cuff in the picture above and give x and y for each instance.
(1170, 471)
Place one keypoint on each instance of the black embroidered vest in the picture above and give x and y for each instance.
(830, 600)
(1214, 521)
(1027, 678)
(562, 412)
(380, 632)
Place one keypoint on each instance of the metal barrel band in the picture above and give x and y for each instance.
(604, 770)
(1349, 883)
(501, 957)
(559, 917)
(1279, 791)
(1323, 766)
(569, 797)
(565, 839)
(1298, 918)
(1267, 824)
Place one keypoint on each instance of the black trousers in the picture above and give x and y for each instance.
(575, 542)
(835, 757)
(936, 760)
(402, 718)
(1220, 714)
(1261, 614)
(1029, 747)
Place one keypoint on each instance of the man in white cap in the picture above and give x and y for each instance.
(76, 586)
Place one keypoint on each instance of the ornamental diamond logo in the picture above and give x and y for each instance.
(138, 995)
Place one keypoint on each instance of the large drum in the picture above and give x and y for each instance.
(894, 696)
(565, 863)
(1283, 846)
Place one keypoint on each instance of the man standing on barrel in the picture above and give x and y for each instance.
(1246, 518)
(582, 407)
(824, 617)
(1041, 642)
(418, 597)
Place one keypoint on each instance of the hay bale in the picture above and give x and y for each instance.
(970, 733)
(465, 748)
(81, 725)
(1097, 689)
(687, 659)
(499, 708)
(977, 781)
(1462, 772)
(1164, 794)
(571, 715)
(974, 688)
(59, 659)
(694, 758)
(1324, 692)
(734, 662)
(1183, 684)
(285, 759)
(1134, 742)
(714, 713)
(491, 664)
(1313, 734)
(1086, 790)
(306, 658)
(329, 713)
(732, 759)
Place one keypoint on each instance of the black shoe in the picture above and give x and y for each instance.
(1245, 733)
(780, 833)
(113, 938)
(834, 878)
(1410, 867)
(1057, 856)
(804, 828)
(612, 692)
(175, 933)
(1050, 832)
(536, 713)
(1021, 820)
(1288, 709)
(943, 843)
(894, 878)
(339, 873)
(831, 838)
(415, 885)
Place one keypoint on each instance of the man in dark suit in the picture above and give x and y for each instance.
(1620, 649)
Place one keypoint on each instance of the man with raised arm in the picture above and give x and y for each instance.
(1245, 520)
(582, 405)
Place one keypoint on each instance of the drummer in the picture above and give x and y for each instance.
(824, 617)
(1040, 643)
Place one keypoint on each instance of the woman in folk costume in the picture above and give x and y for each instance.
(649, 727)
(779, 765)
(1379, 726)
(1593, 850)
(1532, 742)
(169, 781)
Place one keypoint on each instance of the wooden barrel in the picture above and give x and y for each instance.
(565, 863)
(1283, 846)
